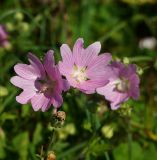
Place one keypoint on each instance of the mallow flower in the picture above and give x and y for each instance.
(124, 84)
(42, 84)
(83, 67)
(3, 37)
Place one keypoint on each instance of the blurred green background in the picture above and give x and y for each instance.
(125, 28)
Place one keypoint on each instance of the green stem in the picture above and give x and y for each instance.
(107, 156)
(72, 150)
(129, 141)
(129, 146)
(51, 141)
(140, 58)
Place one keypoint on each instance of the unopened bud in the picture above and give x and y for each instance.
(51, 156)
(3, 91)
(70, 129)
(139, 70)
(108, 130)
(24, 26)
(2, 134)
(125, 110)
(102, 108)
(9, 26)
(87, 126)
(19, 16)
(126, 60)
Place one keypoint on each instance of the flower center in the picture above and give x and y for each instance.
(122, 85)
(45, 86)
(79, 74)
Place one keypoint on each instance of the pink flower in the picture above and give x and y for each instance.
(123, 85)
(84, 68)
(42, 84)
(3, 37)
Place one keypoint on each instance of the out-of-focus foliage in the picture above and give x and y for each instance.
(91, 130)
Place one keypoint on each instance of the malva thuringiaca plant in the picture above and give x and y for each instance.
(81, 68)
(84, 69)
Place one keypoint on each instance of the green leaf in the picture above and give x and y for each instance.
(122, 151)
(25, 110)
(7, 116)
(2, 144)
(37, 134)
(21, 144)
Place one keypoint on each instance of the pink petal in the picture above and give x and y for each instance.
(64, 68)
(117, 64)
(49, 65)
(128, 70)
(87, 91)
(107, 91)
(113, 106)
(26, 71)
(114, 97)
(25, 96)
(57, 100)
(66, 55)
(77, 51)
(66, 85)
(71, 81)
(134, 86)
(100, 73)
(90, 85)
(102, 59)
(120, 98)
(40, 101)
(90, 53)
(23, 83)
(3, 33)
(35, 62)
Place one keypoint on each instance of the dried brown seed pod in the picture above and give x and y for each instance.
(61, 115)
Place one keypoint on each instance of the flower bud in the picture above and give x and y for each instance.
(108, 130)
(87, 126)
(126, 60)
(125, 110)
(62, 134)
(101, 109)
(2, 134)
(139, 70)
(70, 129)
(51, 156)
(19, 16)
(9, 26)
(24, 26)
(3, 91)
